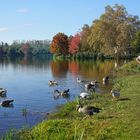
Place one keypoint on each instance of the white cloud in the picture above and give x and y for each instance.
(3, 29)
(28, 24)
(22, 10)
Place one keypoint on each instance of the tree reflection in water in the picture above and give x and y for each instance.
(59, 68)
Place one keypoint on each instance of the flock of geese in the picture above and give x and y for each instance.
(89, 87)
(5, 103)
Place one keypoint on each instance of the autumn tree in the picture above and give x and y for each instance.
(59, 44)
(84, 45)
(74, 43)
(114, 31)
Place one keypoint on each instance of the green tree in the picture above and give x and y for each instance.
(114, 31)
(136, 42)
(84, 45)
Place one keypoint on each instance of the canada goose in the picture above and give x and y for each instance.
(2, 92)
(64, 93)
(94, 83)
(56, 94)
(51, 83)
(84, 95)
(7, 103)
(138, 59)
(88, 110)
(56, 91)
(90, 87)
(115, 94)
(106, 80)
(79, 80)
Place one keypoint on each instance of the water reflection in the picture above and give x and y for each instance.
(59, 68)
(94, 69)
(74, 67)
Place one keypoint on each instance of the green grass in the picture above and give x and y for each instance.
(118, 120)
(130, 68)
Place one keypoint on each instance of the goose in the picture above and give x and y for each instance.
(88, 110)
(6, 103)
(56, 91)
(51, 83)
(94, 83)
(79, 80)
(138, 59)
(90, 87)
(64, 93)
(115, 94)
(2, 92)
(84, 95)
(106, 80)
(56, 94)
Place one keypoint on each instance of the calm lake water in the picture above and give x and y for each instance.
(26, 81)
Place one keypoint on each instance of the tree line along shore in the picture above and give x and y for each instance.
(115, 34)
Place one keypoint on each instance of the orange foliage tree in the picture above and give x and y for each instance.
(59, 44)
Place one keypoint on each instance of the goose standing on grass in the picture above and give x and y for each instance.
(138, 59)
(88, 110)
(115, 94)
(6, 103)
(2, 92)
(84, 95)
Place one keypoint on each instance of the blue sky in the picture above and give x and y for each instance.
(42, 19)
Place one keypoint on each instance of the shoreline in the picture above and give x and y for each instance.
(118, 119)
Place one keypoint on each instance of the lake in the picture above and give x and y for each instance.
(26, 81)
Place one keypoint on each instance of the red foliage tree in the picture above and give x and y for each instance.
(59, 44)
(74, 43)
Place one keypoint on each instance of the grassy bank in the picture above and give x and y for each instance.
(118, 120)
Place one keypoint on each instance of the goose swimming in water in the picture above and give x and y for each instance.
(2, 92)
(6, 103)
(79, 80)
(88, 110)
(64, 93)
(51, 83)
